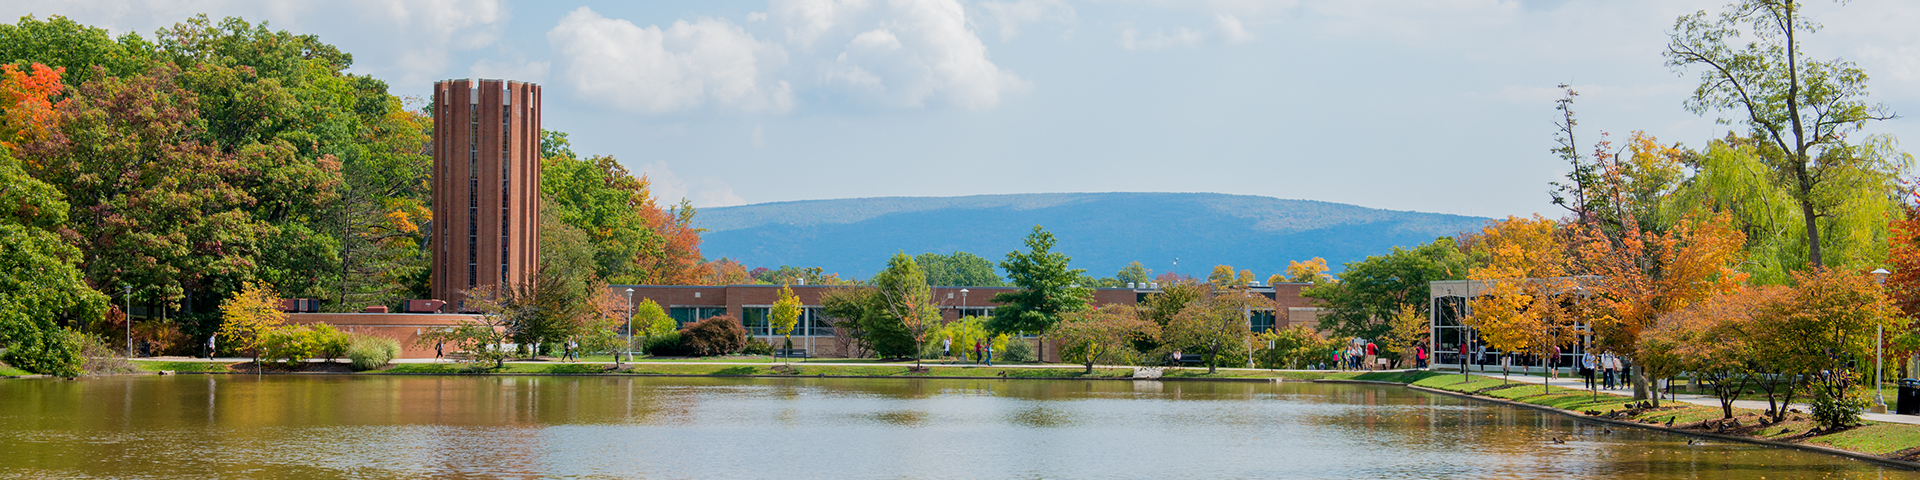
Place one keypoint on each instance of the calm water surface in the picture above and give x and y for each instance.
(606, 427)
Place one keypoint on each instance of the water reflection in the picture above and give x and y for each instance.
(407, 426)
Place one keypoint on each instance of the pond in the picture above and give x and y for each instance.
(197, 426)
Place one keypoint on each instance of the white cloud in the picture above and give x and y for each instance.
(654, 70)
(899, 54)
(1231, 29)
(668, 188)
(1132, 39)
(1009, 16)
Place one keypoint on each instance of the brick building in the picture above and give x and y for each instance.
(486, 185)
(752, 304)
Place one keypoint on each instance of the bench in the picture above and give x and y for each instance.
(789, 353)
(1188, 359)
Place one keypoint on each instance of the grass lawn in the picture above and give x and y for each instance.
(9, 371)
(159, 365)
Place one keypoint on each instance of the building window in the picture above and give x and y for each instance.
(965, 312)
(685, 315)
(815, 323)
(756, 320)
(1261, 321)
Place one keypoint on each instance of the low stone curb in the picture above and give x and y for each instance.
(1579, 416)
(698, 375)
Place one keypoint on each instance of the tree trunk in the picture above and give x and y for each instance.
(1212, 354)
(1640, 385)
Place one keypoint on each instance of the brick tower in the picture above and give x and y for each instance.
(486, 185)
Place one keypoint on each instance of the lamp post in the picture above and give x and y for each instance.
(963, 302)
(126, 294)
(629, 346)
(1879, 350)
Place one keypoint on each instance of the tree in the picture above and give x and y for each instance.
(1407, 328)
(1826, 329)
(1134, 273)
(43, 293)
(1222, 276)
(249, 316)
(651, 320)
(786, 312)
(1046, 288)
(1800, 107)
(1371, 290)
(861, 315)
(959, 269)
(1525, 308)
(483, 336)
(1721, 340)
(1638, 276)
(1214, 323)
(1310, 271)
(1102, 333)
(905, 298)
(714, 336)
(1298, 346)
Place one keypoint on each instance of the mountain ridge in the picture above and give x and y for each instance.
(1102, 231)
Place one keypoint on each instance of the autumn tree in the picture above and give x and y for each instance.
(905, 298)
(786, 312)
(1369, 291)
(1638, 276)
(1525, 308)
(1310, 271)
(1825, 332)
(1722, 340)
(1298, 346)
(1406, 329)
(247, 317)
(1103, 333)
(1802, 109)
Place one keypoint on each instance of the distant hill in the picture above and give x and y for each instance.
(1101, 231)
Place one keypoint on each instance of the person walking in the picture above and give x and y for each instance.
(573, 351)
(946, 348)
(1372, 355)
(210, 345)
(1587, 366)
(976, 351)
(1607, 367)
(439, 350)
(1420, 357)
(989, 353)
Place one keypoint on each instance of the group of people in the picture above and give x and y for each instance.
(1360, 354)
(1606, 366)
(982, 351)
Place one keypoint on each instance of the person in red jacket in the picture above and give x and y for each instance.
(1372, 355)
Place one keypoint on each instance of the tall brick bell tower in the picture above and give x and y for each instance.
(486, 186)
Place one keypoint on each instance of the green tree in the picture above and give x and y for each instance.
(1802, 109)
(62, 42)
(650, 320)
(958, 269)
(905, 298)
(786, 313)
(862, 315)
(1215, 323)
(1046, 288)
(1372, 290)
(1134, 273)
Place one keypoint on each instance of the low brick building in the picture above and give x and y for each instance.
(752, 304)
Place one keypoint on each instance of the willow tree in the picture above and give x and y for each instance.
(1799, 110)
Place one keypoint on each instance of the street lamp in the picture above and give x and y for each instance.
(963, 302)
(126, 294)
(1879, 350)
(629, 345)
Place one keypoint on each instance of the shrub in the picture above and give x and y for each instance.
(665, 345)
(55, 352)
(368, 352)
(329, 343)
(757, 347)
(714, 336)
(101, 358)
(292, 344)
(1832, 413)
(1019, 351)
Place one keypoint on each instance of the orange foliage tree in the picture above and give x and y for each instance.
(1525, 308)
(1641, 275)
(28, 111)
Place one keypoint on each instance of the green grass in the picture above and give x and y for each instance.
(1877, 439)
(9, 371)
(158, 365)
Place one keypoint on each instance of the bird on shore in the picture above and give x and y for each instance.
(1670, 421)
(1606, 430)
(1558, 440)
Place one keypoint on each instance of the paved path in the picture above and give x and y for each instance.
(1577, 384)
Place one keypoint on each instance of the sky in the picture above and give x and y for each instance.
(1428, 105)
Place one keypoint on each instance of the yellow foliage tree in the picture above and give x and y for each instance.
(1306, 272)
(1639, 276)
(247, 317)
(786, 313)
(1526, 305)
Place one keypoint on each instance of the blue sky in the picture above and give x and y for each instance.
(1440, 106)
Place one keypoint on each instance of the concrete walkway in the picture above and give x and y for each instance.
(1576, 383)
